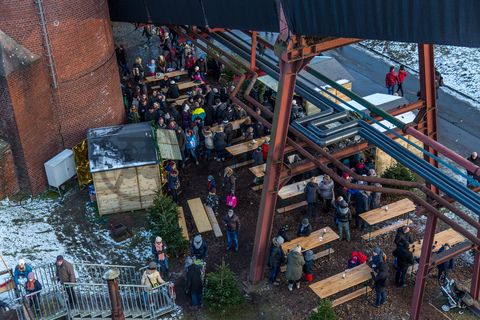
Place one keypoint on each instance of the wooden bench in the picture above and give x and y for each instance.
(316, 256)
(155, 87)
(199, 215)
(188, 84)
(369, 236)
(292, 207)
(182, 223)
(351, 296)
(256, 188)
(182, 97)
(213, 221)
(241, 164)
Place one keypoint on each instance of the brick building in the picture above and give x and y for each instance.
(58, 78)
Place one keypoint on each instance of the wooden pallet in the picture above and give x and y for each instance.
(316, 256)
(351, 296)
(199, 215)
(183, 223)
(369, 236)
(292, 207)
(213, 221)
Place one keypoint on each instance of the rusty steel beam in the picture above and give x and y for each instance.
(440, 258)
(253, 52)
(304, 50)
(281, 120)
(427, 94)
(475, 286)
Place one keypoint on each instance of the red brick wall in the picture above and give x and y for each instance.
(42, 120)
(8, 175)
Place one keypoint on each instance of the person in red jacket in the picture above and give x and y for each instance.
(265, 149)
(402, 74)
(391, 80)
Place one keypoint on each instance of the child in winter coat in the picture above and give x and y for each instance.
(308, 266)
(212, 200)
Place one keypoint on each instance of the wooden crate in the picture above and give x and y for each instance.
(126, 189)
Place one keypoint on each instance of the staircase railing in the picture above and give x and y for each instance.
(48, 303)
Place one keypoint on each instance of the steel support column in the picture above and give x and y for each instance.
(427, 94)
(475, 286)
(281, 120)
(253, 52)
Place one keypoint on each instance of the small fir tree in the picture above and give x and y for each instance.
(222, 289)
(324, 311)
(163, 221)
(399, 172)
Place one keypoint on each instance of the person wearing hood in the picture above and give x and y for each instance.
(295, 263)
(305, 228)
(379, 276)
(199, 247)
(229, 180)
(343, 217)
(404, 260)
(21, 271)
(275, 259)
(403, 234)
(232, 227)
(31, 287)
(159, 250)
(308, 266)
(219, 142)
(194, 283)
(378, 257)
(325, 188)
(311, 192)
(212, 200)
(173, 91)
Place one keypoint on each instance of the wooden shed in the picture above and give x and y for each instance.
(124, 166)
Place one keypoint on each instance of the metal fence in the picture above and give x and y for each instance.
(47, 303)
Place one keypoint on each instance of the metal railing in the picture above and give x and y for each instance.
(91, 272)
(44, 304)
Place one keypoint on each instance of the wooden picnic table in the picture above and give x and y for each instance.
(312, 241)
(395, 209)
(295, 189)
(244, 147)
(172, 74)
(188, 84)
(449, 236)
(327, 287)
(258, 171)
(235, 123)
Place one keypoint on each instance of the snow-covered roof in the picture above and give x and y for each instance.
(123, 146)
(406, 118)
(381, 100)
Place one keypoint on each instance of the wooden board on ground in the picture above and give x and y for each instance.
(213, 221)
(336, 283)
(235, 123)
(351, 296)
(199, 215)
(316, 256)
(295, 189)
(312, 241)
(182, 223)
(392, 227)
(258, 171)
(292, 207)
(173, 74)
(395, 209)
(241, 164)
(188, 85)
(449, 236)
(168, 144)
(245, 146)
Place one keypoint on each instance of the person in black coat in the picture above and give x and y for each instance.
(276, 259)
(194, 283)
(403, 235)
(404, 260)
(447, 266)
(362, 200)
(199, 247)
(173, 91)
(209, 115)
(380, 282)
(305, 228)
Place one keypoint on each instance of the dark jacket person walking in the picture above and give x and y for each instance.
(66, 274)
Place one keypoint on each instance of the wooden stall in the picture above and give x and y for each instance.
(124, 165)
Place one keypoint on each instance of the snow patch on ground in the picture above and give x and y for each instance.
(25, 231)
(458, 65)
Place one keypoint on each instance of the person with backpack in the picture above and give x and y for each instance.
(276, 259)
(343, 217)
(404, 259)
